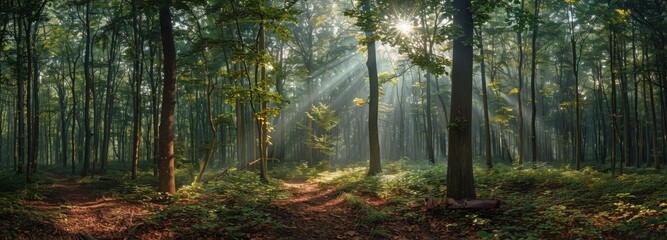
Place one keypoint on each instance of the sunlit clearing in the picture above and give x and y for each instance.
(404, 27)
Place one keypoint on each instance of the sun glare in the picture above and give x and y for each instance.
(404, 27)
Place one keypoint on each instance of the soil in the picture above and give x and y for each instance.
(315, 212)
(312, 212)
(85, 215)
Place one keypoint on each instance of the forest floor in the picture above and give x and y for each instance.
(85, 214)
(324, 212)
(341, 203)
(312, 211)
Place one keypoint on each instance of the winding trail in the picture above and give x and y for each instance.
(314, 212)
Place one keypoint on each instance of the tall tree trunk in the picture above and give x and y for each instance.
(20, 151)
(575, 72)
(533, 70)
(32, 154)
(136, 77)
(166, 177)
(375, 166)
(637, 127)
(262, 119)
(460, 180)
(612, 70)
(485, 102)
(519, 95)
(109, 98)
(627, 142)
(33, 73)
(62, 104)
(72, 73)
(209, 107)
(154, 108)
(429, 122)
(654, 120)
(87, 65)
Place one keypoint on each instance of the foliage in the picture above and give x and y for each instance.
(326, 119)
(14, 214)
(232, 205)
(367, 216)
(535, 203)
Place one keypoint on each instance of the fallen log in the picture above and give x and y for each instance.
(450, 203)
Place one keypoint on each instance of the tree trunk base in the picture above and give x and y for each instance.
(450, 203)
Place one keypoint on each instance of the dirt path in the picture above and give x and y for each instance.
(84, 214)
(315, 213)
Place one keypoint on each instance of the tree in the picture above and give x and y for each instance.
(166, 179)
(366, 20)
(375, 166)
(519, 13)
(325, 117)
(137, 69)
(485, 102)
(460, 181)
(533, 70)
(87, 66)
(575, 72)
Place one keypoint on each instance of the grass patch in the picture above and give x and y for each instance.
(536, 203)
(367, 216)
(229, 207)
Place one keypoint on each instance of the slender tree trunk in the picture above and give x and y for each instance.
(637, 126)
(375, 166)
(28, 94)
(74, 116)
(613, 99)
(109, 98)
(533, 70)
(87, 67)
(154, 109)
(60, 89)
(485, 102)
(20, 151)
(519, 95)
(429, 122)
(33, 73)
(575, 72)
(166, 177)
(209, 108)
(654, 120)
(136, 76)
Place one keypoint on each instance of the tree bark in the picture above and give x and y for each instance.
(429, 122)
(375, 166)
(108, 105)
(575, 72)
(166, 177)
(87, 65)
(20, 151)
(136, 76)
(519, 95)
(460, 180)
(533, 70)
(485, 102)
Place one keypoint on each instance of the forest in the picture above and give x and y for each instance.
(333, 119)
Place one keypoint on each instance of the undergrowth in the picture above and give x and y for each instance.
(14, 214)
(233, 205)
(535, 203)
